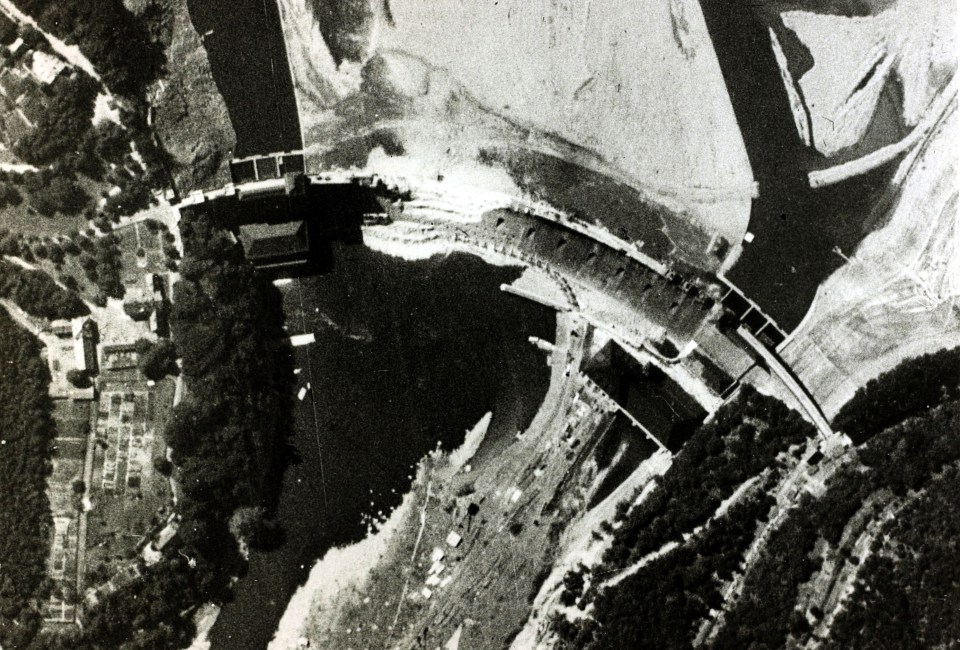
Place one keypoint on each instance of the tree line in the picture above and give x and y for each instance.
(660, 605)
(906, 596)
(742, 439)
(905, 593)
(27, 431)
(230, 435)
(116, 42)
(913, 386)
(38, 294)
(901, 459)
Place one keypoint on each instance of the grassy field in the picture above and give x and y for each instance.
(73, 425)
(136, 237)
(128, 494)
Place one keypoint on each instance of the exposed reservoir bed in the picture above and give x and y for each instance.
(407, 354)
(796, 229)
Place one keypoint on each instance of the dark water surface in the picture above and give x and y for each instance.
(249, 64)
(407, 354)
(796, 228)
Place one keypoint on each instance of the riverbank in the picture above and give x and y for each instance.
(393, 339)
(469, 558)
(337, 579)
(903, 278)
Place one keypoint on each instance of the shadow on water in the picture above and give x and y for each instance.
(407, 354)
(796, 228)
(244, 43)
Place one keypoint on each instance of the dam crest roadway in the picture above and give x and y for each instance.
(696, 327)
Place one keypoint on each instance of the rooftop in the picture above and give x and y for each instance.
(46, 67)
(262, 241)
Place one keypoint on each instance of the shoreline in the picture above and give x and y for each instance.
(402, 241)
(346, 569)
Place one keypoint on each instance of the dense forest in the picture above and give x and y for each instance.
(27, 430)
(37, 294)
(911, 388)
(658, 606)
(742, 440)
(65, 121)
(229, 435)
(904, 457)
(904, 587)
(115, 41)
(909, 587)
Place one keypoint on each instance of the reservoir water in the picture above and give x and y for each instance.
(248, 58)
(796, 228)
(407, 354)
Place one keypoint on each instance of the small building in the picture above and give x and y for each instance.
(15, 46)
(147, 301)
(160, 321)
(454, 539)
(61, 328)
(376, 218)
(85, 339)
(46, 68)
(288, 185)
(153, 551)
(276, 245)
(120, 357)
(166, 535)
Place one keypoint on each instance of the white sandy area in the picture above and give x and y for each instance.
(647, 108)
(17, 168)
(898, 296)
(344, 570)
(606, 75)
(412, 242)
(339, 571)
(578, 546)
(104, 110)
(913, 40)
(204, 619)
(460, 456)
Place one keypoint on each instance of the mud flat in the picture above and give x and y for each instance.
(897, 297)
(638, 84)
(856, 73)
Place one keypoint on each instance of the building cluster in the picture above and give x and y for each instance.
(28, 76)
(72, 358)
(147, 301)
(285, 219)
